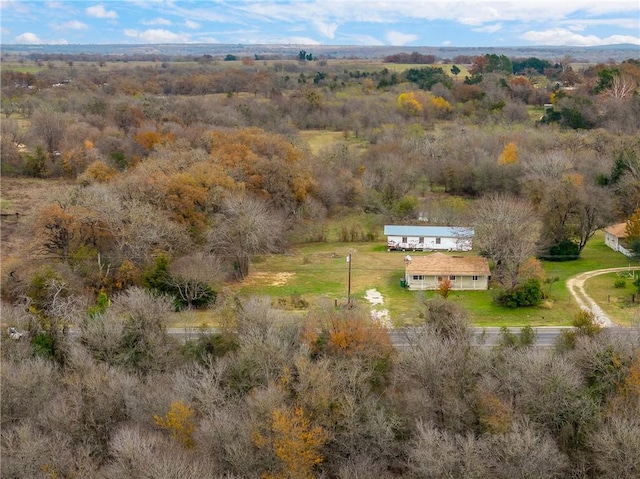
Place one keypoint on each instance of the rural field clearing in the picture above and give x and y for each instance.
(319, 272)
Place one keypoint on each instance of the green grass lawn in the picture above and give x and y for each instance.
(318, 273)
(21, 67)
(620, 304)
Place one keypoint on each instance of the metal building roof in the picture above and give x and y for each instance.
(438, 231)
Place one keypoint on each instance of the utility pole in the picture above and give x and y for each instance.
(349, 282)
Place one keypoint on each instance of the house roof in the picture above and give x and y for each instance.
(618, 230)
(439, 231)
(445, 264)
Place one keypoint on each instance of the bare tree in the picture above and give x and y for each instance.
(546, 388)
(144, 454)
(551, 165)
(437, 379)
(26, 387)
(49, 126)
(616, 447)
(192, 277)
(136, 228)
(573, 212)
(506, 231)
(145, 346)
(622, 86)
(29, 452)
(524, 453)
(245, 227)
(436, 453)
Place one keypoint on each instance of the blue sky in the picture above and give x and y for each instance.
(461, 23)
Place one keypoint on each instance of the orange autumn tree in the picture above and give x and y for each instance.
(98, 172)
(186, 197)
(444, 288)
(57, 231)
(627, 395)
(633, 226)
(409, 103)
(494, 415)
(179, 422)
(148, 138)
(350, 334)
(509, 155)
(265, 164)
(441, 106)
(346, 334)
(295, 443)
(62, 230)
(187, 186)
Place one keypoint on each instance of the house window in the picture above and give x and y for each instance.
(421, 240)
(475, 278)
(404, 239)
(438, 240)
(452, 278)
(418, 277)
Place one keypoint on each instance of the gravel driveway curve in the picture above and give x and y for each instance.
(576, 287)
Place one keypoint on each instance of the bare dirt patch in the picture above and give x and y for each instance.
(269, 279)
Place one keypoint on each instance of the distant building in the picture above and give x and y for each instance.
(464, 272)
(428, 238)
(613, 236)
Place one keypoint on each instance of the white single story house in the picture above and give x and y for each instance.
(428, 238)
(464, 272)
(612, 236)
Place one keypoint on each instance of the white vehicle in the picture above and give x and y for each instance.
(15, 334)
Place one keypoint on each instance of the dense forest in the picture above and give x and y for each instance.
(181, 173)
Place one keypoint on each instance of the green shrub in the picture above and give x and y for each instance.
(564, 251)
(525, 339)
(522, 295)
(584, 324)
(43, 345)
(36, 165)
(211, 346)
(186, 293)
(619, 283)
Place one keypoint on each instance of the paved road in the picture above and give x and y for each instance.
(403, 338)
(576, 287)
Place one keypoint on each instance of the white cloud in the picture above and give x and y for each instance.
(363, 40)
(191, 24)
(157, 36)
(259, 38)
(71, 25)
(476, 12)
(99, 11)
(297, 41)
(28, 38)
(156, 21)
(446, 43)
(399, 38)
(563, 36)
(14, 5)
(208, 40)
(496, 27)
(326, 29)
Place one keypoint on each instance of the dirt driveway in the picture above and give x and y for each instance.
(576, 287)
